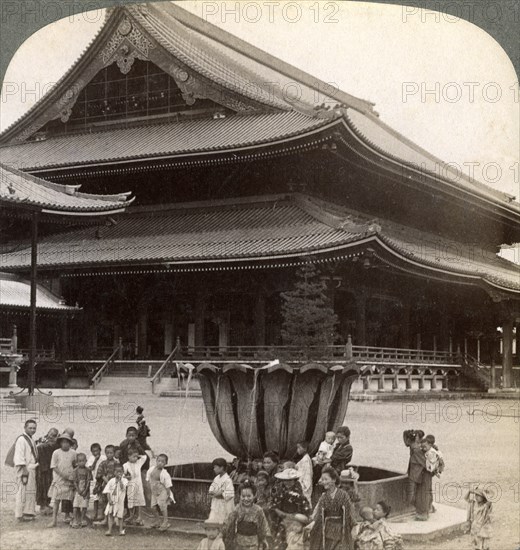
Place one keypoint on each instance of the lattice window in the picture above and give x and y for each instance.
(146, 91)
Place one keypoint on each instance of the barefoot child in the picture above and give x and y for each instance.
(160, 484)
(62, 465)
(93, 463)
(222, 493)
(115, 491)
(82, 477)
(134, 491)
(479, 518)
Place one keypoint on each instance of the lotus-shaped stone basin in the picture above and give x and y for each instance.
(252, 410)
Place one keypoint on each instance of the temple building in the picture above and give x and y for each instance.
(245, 168)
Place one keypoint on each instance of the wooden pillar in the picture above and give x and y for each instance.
(361, 306)
(260, 319)
(14, 340)
(507, 355)
(200, 307)
(395, 381)
(31, 375)
(168, 338)
(405, 325)
(381, 381)
(409, 380)
(64, 337)
(142, 344)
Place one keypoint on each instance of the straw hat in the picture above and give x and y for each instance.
(288, 474)
(348, 475)
(301, 518)
(482, 491)
(209, 524)
(66, 436)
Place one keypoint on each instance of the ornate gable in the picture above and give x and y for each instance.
(123, 40)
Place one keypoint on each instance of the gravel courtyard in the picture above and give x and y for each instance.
(479, 440)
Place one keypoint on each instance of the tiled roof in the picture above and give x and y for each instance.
(236, 64)
(256, 230)
(16, 292)
(173, 138)
(19, 189)
(385, 139)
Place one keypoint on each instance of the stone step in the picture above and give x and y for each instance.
(125, 384)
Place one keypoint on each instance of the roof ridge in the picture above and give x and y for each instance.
(232, 41)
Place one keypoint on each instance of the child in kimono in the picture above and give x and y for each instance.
(434, 459)
(143, 431)
(135, 491)
(45, 448)
(365, 537)
(213, 540)
(106, 471)
(246, 528)
(82, 477)
(325, 449)
(93, 463)
(115, 490)
(222, 493)
(295, 535)
(479, 518)
(160, 485)
(62, 465)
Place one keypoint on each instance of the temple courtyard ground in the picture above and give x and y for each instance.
(479, 440)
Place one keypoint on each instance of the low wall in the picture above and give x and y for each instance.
(63, 398)
(191, 484)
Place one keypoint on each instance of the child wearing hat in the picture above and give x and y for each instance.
(296, 537)
(479, 517)
(62, 466)
(213, 540)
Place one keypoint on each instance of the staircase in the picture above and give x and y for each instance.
(476, 373)
(10, 408)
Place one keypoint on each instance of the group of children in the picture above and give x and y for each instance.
(110, 479)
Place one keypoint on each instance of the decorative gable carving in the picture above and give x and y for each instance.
(127, 44)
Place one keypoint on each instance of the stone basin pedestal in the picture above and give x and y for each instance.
(191, 484)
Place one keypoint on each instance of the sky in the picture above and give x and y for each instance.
(442, 82)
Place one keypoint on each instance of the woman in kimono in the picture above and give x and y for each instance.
(333, 518)
(285, 503)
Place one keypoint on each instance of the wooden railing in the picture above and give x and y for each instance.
(96, 379)
(41, 354)
(320, 353)
(168, 361)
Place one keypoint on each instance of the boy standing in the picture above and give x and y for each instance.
(82, 477)
(105, 473)
(93, 463)
(160, 484)
(115, 491)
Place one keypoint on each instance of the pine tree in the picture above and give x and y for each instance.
(309, 320)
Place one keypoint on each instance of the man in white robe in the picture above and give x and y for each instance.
(25, 463)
